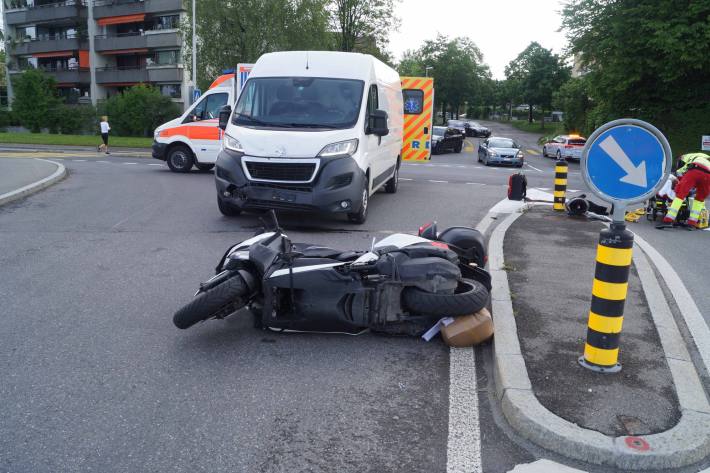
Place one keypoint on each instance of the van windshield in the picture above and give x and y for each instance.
(299, 102)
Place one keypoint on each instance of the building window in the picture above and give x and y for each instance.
(166, 58)
(171, 90)
(167, 22)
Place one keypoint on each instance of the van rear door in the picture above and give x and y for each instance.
(418, 98)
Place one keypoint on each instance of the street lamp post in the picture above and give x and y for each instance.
(194, 48)
(426, 70)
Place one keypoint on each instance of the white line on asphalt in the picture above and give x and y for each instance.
(129, 163)
(528, 165)
(158, 164)
(103, 161)
(79, 160)
(401, 178)
(475, 183)
(463, 453)
(441, 182)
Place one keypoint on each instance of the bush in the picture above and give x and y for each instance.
(75, 119)
(36, 100)
(138, 111)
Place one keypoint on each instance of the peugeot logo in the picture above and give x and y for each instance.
(280, 151)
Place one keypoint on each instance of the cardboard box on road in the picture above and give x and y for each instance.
(468, 330)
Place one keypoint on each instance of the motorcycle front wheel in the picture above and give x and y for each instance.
(469, 297)
(217, 302)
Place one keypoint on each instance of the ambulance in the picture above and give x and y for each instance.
(195, 139)
(418, 98)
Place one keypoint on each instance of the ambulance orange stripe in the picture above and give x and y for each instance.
(408, 156)
(423, 155)
(424, 119)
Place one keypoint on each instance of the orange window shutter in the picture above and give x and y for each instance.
(84, 59)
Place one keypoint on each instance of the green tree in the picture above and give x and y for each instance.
(363, 25)
(235, 31)
(36, 100)
(460, 75)
(573, 99)
(535, 75)
(138, 111)
(646, 59)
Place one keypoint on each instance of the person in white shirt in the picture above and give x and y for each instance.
(104, 134)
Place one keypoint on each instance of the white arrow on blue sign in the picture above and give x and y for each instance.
(626, 161)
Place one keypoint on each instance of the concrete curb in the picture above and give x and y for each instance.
(688, 442)
(36, 186)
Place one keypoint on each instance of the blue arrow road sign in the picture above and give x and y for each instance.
(626, 161)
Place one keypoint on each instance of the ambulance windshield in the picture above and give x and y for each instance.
(299, 102)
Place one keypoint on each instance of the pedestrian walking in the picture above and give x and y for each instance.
(104, 134)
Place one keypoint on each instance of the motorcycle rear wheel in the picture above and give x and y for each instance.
(217, 302)
(470, 297)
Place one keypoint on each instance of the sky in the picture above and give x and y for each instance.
(500, 28)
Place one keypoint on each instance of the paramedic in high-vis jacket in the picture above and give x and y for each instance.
(694, 174)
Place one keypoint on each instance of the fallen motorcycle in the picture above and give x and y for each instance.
(402, 285)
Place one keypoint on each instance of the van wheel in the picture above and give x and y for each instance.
(360, 216)
(180, 159)
(204, 167)
(227, 209)
(393, 183)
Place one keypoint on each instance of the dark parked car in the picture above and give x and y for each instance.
(496, 150)
(443, 138)
(460, 125)
(477, 130)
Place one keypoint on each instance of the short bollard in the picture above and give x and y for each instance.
(560, 184)
(611, 281)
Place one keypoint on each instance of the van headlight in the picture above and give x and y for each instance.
(341, 148)
(232, 144)
(156, 134)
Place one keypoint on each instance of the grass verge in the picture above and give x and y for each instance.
(73, 140)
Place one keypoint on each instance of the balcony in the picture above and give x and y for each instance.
(145, 40)
(106, 8)
(172, 73)
(117, 75)
(46, 13)
(47, 44)
(61, 75)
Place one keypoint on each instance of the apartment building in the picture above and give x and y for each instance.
(97, 48)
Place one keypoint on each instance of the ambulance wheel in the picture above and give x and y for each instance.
(227, 209)
(204, 167)
(180, 159)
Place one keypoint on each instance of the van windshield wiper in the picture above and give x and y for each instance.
(256, 121)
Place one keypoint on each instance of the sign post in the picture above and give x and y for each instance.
(705, 143)
(623, 162)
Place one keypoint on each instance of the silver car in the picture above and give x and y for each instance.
(498, 150)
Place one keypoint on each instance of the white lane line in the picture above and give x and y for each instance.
(475, 183)
(108, 162)
(528, 165)
(158, 164)
(440, 182)
(543, 188)
(129, 163)
(79, 160)
(463, 452)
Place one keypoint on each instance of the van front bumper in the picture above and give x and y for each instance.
(158, 150)
(337, 187)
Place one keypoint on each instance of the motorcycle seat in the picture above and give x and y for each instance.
(315, 251)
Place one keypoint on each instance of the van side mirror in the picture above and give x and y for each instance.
(377, 123)
(224, 114)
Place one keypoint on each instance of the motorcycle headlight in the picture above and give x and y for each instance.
(232, 144)
(341, 148)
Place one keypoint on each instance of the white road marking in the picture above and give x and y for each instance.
(463, 453)
(475, 183)
(108, 162)
(79, 160)
(528, 165)
(129, 163)
(441, 182)
(158, 164)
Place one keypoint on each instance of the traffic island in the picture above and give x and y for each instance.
(653, 414)
(22, 177)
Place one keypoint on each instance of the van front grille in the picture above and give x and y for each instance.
(289, 172)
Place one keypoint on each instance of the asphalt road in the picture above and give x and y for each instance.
(96, 378)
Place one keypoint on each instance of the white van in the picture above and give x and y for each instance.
(311, 131)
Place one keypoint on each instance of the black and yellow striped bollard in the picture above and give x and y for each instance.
(611, 282)
(560, 184)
